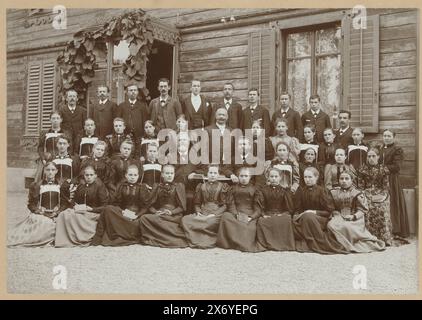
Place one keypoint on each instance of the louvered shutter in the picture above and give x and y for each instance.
(361, 73)
(33, 99)
(40, 96)
(48, 96)
(262, 66)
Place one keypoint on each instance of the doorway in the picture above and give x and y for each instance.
(159, 65)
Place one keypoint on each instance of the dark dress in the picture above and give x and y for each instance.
(151, 173)
(374, 180)
(356, 155)
(165, 230)
(326, 153)
(244, 201)
(76, 228)
(84, 144)
(119, 165)
(311, 232)
(114, 142)
(289, 173)
(275, 228)
(102, 167)
(391, 157)
(67, 166)
(210, 200)
(303, 166)
(113, 229)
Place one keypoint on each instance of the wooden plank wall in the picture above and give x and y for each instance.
(398, 69)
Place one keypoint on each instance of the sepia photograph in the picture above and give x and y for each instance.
(212, 151)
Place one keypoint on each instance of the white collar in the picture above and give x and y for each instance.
(220, 126)
(284, 110)
(315, 112)
(228, 101)
(344, 130)
(132, 101)
(103, 102)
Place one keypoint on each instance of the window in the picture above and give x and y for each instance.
(313, 66)
(41, 96)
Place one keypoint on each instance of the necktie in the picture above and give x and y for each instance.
(315, 115)
(227, 105)
(163, 102)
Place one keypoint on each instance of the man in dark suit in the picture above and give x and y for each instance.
(234, 109)
(295, 128)
(255, 112)
(196, 107)
(134, 112)
(318, 118)
(221, 131)
(103, 111)
(344, 133)
(73, 115)
(164, 109)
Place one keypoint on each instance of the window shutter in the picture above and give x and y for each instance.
(40, 96)
(262, 66)
(361, 73)
(33, 99)
(48, 96)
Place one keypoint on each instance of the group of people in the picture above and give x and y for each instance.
(100, 179)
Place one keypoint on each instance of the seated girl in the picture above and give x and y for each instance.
(281, 128)
(274, 227)
(210, 198)
(348, 221)
(77, 224)
(67, 165)
(160, 226)
(314, 206)
(289, 170)
(38, 226)
(333, 171)
(310, 160)
(118, 224)
(238, 225)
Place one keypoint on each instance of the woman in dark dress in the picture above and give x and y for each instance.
(238, 225)
(391, 157)
(77, 224)
(201, 227)
(38, 227)
(373, 179)
(314, 206)
(274, 227)
(160, 226)
(119, 223)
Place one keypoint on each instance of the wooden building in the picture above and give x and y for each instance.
(371, 71)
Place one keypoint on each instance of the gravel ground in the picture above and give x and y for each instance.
(151, 270)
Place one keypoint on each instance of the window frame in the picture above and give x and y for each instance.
(284, 59)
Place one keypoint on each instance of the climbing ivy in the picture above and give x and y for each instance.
(77, 62)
